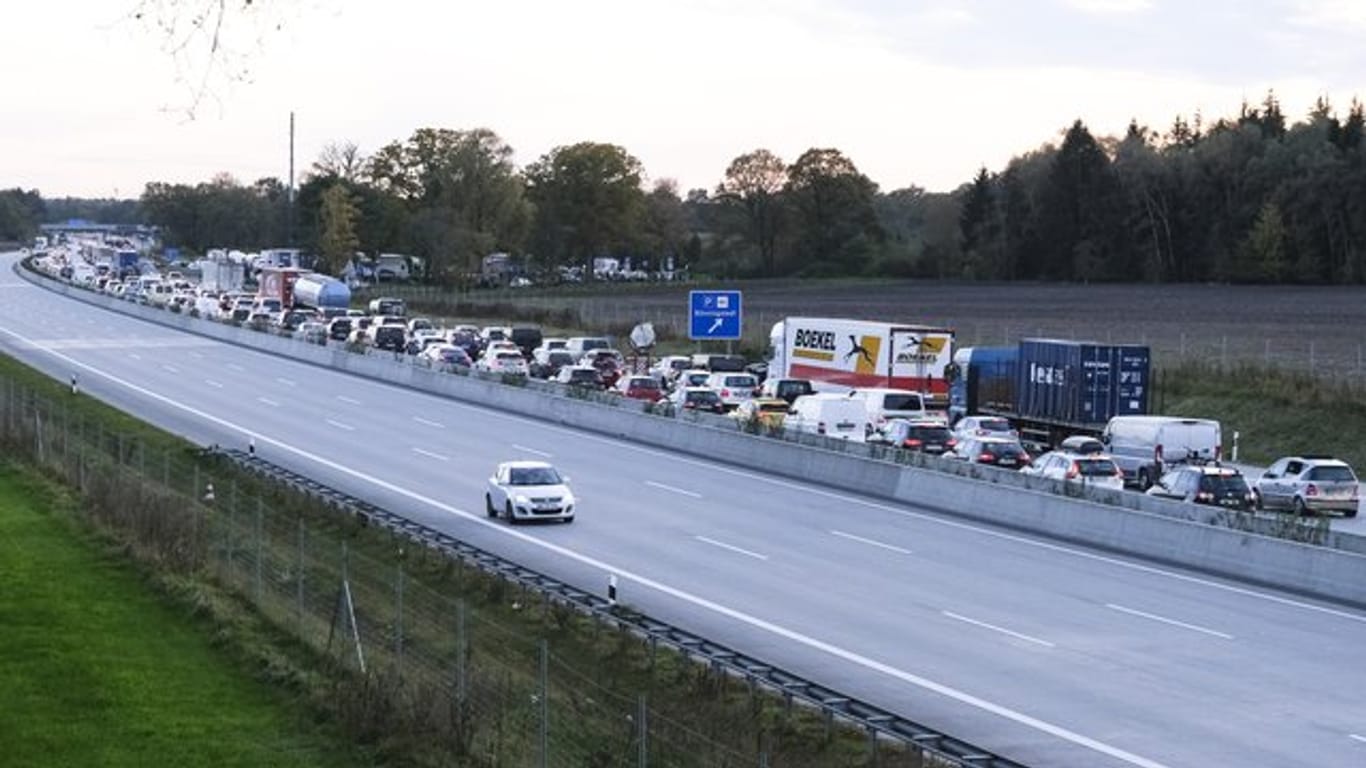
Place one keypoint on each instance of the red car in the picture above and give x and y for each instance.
(640, 388)
(609, 369)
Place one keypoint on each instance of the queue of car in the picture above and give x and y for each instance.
(1173, 458)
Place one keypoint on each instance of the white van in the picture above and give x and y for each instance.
(579, 346)
(1146, 446)
(833, 415)
(885, 404)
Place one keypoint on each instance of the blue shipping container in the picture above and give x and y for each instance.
(1080, 382)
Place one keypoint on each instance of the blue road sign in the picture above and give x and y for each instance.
(714, 315)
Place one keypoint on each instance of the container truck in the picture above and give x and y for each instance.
(839, 355)
(315, 291)
(1050, 389)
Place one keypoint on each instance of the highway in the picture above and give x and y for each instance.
(1051, 654)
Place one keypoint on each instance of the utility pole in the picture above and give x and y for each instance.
(289, 211)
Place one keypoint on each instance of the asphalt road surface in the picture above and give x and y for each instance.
(1050, 654)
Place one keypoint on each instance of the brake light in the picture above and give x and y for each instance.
(1073, 471)
(725, 393)
(1204, 496)
(911, 443)
(1025, 458)
(986, 457)
(756, 391)
(1157, 453)
(950, 443)
(1312, 490)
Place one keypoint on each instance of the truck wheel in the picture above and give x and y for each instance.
(488, 506)
(1145, 480)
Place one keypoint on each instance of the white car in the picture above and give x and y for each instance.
(529, 490)
(1096, 470)
(734, 388)
(503, 361)
(983, 426)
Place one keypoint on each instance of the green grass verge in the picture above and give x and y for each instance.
(1276, 413)
(97, 670)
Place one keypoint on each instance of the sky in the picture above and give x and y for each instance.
(100, 98)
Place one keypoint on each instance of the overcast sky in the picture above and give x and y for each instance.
(95, 103)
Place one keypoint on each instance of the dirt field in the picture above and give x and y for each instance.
(1319, 327)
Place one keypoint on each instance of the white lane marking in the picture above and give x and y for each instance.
(1165, 620)
(673, 489)
(1358, 738)
(340, 425)
(731, 547)
(432, 455)
(170, 369)
(994, 628)
(21, 285)
(764, 625)
(531, 451)
(268, 401)
(429, 422)
(286, 382)
(213, 383)
(871, 542)
(236, 367)
(346, 399)
(135, 355)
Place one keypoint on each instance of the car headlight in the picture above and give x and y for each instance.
(521, 499)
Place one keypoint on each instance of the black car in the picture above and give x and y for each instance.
(390, 337)
(997, 451)
(339, 329)
(1212, 485)
(921, 436)
(699, 399)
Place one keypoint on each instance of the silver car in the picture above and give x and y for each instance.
(1308, 485)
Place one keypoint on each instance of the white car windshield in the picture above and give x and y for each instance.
(533, 476)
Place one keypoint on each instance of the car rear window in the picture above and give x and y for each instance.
(1003, 449)
(929, 434)
(509, 356)
(703, 397)
(644, 383)
(1223, 484)
(994, 425)
(901, 402)
(1097, 467)
(560, 358)
(1331, 475)
(740, 381)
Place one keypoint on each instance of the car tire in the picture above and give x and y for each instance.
(488, 506)
(1257, 501)
(1145, 480)
(512, 519)
(1299, 508)
(569, 520)
(1349, 513)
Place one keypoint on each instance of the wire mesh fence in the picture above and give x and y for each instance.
(418, 647)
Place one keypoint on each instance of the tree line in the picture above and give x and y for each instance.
(1251, 198)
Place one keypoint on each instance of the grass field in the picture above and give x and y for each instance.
(96, 670)
(1298, 327)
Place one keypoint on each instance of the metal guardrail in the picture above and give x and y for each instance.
(834, 705)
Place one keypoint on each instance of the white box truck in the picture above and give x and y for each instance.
(840, 355)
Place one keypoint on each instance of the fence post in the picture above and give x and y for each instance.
(256, 584)
(642, 746)
(232, 515)
(166, 469)
(398, 617)
(542, 757)
(299, 580)
(461, 651)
